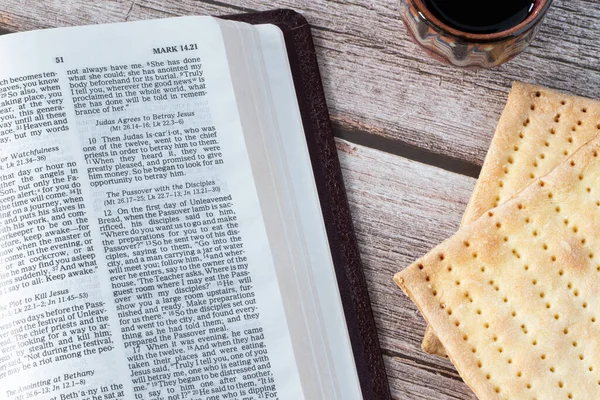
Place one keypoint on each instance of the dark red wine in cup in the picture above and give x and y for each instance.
(481, 16)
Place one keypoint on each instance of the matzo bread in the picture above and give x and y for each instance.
(538, 129)
(515, 295)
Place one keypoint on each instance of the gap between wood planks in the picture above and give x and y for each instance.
(406, 150)
(436, 369)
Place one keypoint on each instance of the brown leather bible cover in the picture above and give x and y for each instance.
(332, 194)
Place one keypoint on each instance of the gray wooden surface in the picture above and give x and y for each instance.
(412, 133)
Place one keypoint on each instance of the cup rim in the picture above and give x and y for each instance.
(538, 13)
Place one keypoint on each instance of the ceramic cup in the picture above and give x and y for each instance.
(469, 50)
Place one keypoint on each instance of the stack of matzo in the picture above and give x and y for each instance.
(514, 295)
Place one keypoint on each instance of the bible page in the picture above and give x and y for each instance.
(134, 262)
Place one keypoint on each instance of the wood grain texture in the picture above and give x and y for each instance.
(378, 81)
(380, 85)
(402, 209)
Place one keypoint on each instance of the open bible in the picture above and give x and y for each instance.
(173, 223)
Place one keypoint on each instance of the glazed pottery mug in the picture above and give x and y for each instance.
(465, 48)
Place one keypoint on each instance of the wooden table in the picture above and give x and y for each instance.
(412, 134)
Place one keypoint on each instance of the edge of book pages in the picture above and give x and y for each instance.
(332, 195)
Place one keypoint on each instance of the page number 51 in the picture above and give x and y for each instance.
(59, 60)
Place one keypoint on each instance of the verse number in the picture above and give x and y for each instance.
(59, 60)
(189, 47)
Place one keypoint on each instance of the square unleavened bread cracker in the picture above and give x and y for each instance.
(515, 296)
(538, 129)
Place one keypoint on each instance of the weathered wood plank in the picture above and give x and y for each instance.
(401, 209)
(410, 384)
(376, 79)
(380, 83)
